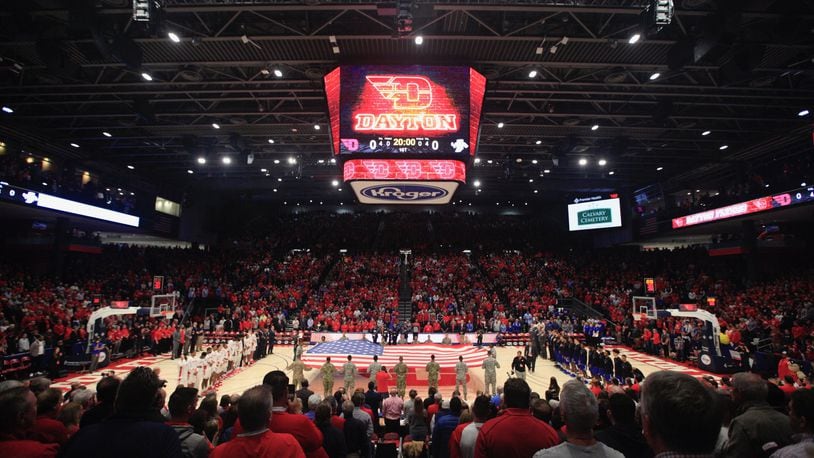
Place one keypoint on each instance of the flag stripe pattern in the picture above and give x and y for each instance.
(417, 355)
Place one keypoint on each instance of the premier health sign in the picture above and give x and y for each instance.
(596, 214)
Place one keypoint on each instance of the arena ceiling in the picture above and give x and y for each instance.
(742, 70)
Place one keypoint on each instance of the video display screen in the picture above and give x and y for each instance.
(417, 111)
(596, 214)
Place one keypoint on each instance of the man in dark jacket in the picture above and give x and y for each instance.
(623, 434)
(181, 406)
(446, 420)
(355, 433)
(130, 432)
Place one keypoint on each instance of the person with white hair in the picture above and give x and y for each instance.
(312, 403)
(579, 411)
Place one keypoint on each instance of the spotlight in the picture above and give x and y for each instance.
(7, 109)
(216, 125)
(107, 134)
(263, 170)
(602, 162)
(226, 160)
(276, 161)
(634, 38)
(146, 76)
(174, 37)
(335, 183)
(292, 160)
(595, 127)
(800, 114)
(705, 133)
(583, 161)
(500, 125)
(611, 172)
(534, 161)
(531, 180)
(476, 183)
(538, 142)
(278, 73)
(546, 171)
(477, 160)
(533, 74)
(201, 160)
(279, 180)
(130, 167)
(419, 40)
(190, 171)
(316, 127)
(74, 145)
(271, 140)
(723, 147)
(659, 169)
(333, 161)
(489, 161)
(655, 76)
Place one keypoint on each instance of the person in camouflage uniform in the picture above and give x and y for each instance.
(374, 369)
(401, 370)
(349, 371)
(327, 370)
(489, 366)
(460, 374)
(297, 367)
(433, 369)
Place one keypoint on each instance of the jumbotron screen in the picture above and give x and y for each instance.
(407, 111)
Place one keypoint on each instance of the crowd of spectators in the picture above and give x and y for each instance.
(664, 414)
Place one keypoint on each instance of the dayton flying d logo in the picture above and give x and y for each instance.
(411, 99)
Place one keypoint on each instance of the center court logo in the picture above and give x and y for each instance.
(400, 193)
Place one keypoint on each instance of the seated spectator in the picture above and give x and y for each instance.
(333, 439)
(578, 407)
(133, 430)
(181, 406)
(679, 415)
(257, 441)
(801, 415)
(18, 412)
(624, 434)
(498, 437)
(759, 428)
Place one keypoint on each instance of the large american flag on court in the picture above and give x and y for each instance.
(417, 355)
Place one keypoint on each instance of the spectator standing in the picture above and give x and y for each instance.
(132, 431)
(333, 439)
(499, 436)
(624, 434)
(18, 412)
(462, 443)
(419, 426)
(392, 411)
(801, 415)
(257, 441)
(679, 415)
(355, 432)
(299, 426)
(444, 427)
(181, 406)
(106, 396)
(758, 428)
(578, 408)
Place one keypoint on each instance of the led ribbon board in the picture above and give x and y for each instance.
(404, 169)
(42, 200)
(761, 204)
(405, 110)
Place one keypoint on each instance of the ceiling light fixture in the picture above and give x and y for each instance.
(583, 161)
(602, 162)
(174, 37)
(226, 160)
(655, 76)
(271, 141)
(595, 127)
(500, 125)
(635, 38)
(611, 172)
(476, 183)
(705, 133)
(190, 171)
(130, 167)
(278, 73)
(201, 160)
(534, 161)
(7, 109)
(533, 74)
(723, 147)
(107, 134)
(477, 160)
(292, 160)
(546, 171)
(419, 40)
(146, 76)
(316, 127)
(538, 142)
(800, 114)
(216, 125)
(659, 169)
(74, 145)
(276, 161)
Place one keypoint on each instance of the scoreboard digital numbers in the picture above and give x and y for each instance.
(405, 111)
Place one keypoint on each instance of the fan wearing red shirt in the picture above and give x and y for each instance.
(499, 436)
(299, 426)
(18, 411)
(255, 414)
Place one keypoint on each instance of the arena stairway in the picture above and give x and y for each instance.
(405, 293)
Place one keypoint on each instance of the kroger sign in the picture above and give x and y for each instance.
(394, 192)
